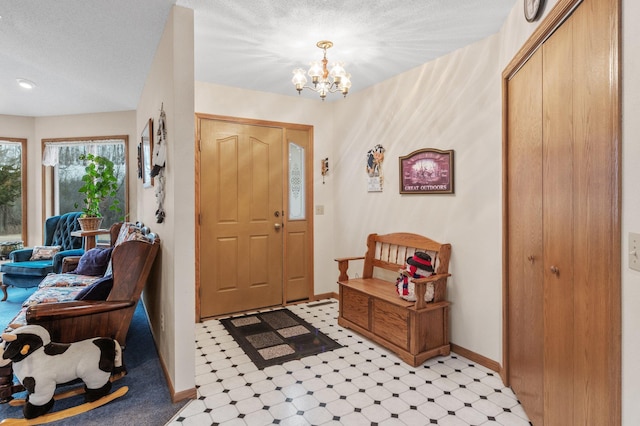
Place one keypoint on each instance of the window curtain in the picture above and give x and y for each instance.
(50, 156)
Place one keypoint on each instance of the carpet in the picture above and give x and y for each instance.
(274, 337)
(148, 401)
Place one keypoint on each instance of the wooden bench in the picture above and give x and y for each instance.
(370, 305)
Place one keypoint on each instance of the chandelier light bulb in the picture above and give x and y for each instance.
(324, 81)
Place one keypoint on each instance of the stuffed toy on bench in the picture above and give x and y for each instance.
(418, 266)
(40, 365)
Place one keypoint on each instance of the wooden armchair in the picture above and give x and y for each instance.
(76, 320)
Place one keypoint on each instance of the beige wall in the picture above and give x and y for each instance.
(169, 296)
(450, 103)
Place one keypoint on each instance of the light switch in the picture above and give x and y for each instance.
(634, 251)
(319, 210)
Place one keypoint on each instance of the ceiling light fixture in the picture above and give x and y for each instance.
(340, 81)
(26, 84)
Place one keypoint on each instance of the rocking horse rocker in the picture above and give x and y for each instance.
(41, 365)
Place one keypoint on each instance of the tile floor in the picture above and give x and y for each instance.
(358, 384)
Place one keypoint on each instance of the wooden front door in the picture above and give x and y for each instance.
(241, 209)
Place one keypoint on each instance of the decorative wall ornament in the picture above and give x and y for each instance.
(427, 171)
(324, 168)
(375, 156)
(159, 162)
(147, 149)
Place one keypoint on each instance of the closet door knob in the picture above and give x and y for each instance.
(555, 270)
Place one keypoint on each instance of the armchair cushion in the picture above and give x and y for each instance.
(38, 268)
(44, 252)
(94, 262)
(99, 290)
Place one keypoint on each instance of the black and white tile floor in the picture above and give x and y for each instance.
(359, 384)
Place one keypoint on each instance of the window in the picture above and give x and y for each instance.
(13, 211)
(63, 174)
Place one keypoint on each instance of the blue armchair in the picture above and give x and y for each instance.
(23, 272)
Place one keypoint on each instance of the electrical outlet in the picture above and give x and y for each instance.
(319, 210)
(634, 251)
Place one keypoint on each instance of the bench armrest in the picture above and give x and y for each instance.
(72, 309)
(439, 288)
(430, 278)
(343, 266)
(70, 263)
(59, 258)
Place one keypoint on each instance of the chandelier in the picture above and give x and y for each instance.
(324, 81)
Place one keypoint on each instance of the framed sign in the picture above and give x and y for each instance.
(427, 171)
(147, 149)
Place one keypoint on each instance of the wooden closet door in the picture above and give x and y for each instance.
(558, 240)
(596, 216)
(524, 247)
(581, 359)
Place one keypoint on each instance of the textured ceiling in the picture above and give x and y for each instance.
(94, 55)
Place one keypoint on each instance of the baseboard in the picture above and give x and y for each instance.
(332, 295)
(185, 394)
(175, 397)
(477, 358)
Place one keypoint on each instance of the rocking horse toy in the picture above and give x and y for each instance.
(41, 365)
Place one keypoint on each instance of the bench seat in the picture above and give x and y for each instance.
(371, 306)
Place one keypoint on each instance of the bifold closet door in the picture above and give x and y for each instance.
(563, 271)
(524, 177)
(558, 235)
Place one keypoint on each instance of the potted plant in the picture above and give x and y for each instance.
(99, 182)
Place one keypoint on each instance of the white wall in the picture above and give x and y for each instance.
(170, 294)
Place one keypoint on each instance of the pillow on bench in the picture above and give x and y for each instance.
(94, 262)
(99, 290)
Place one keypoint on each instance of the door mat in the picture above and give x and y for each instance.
(274, 337)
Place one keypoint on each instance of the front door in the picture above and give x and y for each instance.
(241, 209)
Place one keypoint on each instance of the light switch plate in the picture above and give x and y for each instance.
(634, 251)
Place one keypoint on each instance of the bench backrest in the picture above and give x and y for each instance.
(390, 252)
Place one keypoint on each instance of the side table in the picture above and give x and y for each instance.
(89, 237)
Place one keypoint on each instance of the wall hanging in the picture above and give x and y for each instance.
(375, 156)
(147, 149)
(427, 171)
(158, 166)
(324, 168)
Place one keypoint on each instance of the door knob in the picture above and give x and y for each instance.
(277, 226)
(555, 270)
